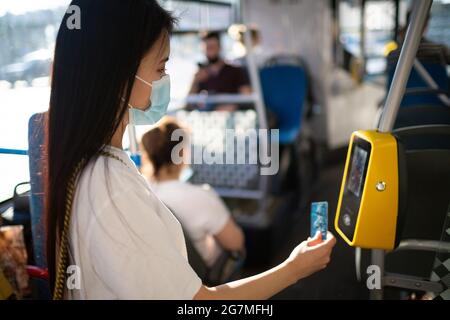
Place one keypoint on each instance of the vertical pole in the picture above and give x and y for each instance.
(377, 259)
(259, 106)
(397, 20)
(363, 38)
(405, 63)
(237, 12)
(395, 95)
(253, 70)
(339, 54)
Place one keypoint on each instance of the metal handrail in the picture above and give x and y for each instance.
(424, 245)
(405, 64)
(221, 98)
(430, 81)
(396, 92)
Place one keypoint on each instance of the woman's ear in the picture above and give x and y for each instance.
(144, 155)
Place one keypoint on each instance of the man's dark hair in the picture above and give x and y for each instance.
(212, 35)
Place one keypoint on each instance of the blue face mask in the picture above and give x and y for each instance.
(157, 104)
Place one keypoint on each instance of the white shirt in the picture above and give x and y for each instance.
(201, 212)
(126, 243)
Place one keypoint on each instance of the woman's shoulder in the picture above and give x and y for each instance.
(106, 177)
(107, 186)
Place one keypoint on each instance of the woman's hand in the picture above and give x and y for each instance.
(308, 257)
(311, 256)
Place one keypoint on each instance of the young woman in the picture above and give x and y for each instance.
(104, 224)
(198, 208)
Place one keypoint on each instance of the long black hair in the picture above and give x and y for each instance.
(94, 68)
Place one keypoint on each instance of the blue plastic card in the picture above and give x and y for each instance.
(319, 218)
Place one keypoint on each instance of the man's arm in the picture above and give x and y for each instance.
(200, 76)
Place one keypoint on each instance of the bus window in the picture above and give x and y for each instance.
(379, 25)
(194, 15)
(28, 30)
(186, 46)
(439, 25)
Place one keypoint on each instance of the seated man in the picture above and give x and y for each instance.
(440, 50)
(217, 76)
(198, 208)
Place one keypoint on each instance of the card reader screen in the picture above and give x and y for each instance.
(354, 186)
(357, 171)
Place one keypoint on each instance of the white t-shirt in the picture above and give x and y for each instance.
(200, 211)
(126, 243)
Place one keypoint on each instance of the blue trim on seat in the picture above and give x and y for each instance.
(13, 151)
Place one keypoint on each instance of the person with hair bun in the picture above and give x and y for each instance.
(199, 209)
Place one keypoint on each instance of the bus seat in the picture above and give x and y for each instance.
(19, 213)
(431, 57)
(35, 154)
(195, 260)
(242, 180)
(428, 187)
(284, 89)
(285, 59)
(39, 283)
(441, 270)
(438, 73)
(38, 273)
(422, 115)
(226, 268)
